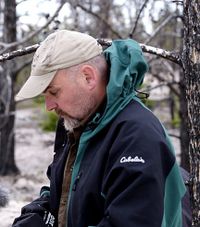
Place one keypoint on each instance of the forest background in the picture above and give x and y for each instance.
(169, 34)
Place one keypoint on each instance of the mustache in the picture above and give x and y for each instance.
(59, 112)
(63, 114)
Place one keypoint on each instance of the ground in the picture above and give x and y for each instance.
(34, 152)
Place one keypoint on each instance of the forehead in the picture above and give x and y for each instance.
(59, 77)
(57, 81)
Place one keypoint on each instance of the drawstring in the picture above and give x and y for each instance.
(142, 95)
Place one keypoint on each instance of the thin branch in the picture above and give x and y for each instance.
(168, 55)
(175, 136)
(30, 36)
(170, 85)
(171, 56)
(20, 2)
(166, 21)
(169, 67)
(4, 45)
(158, 86)
(177, 1)
(20, 52)
(100, 18)
(137, 19)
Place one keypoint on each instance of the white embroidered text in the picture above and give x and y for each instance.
(130, 159)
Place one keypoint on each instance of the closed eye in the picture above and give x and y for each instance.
(53, 92)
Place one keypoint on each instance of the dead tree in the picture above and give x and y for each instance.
(189, 60)
(8, 75)
(191, 67)
(7, 104)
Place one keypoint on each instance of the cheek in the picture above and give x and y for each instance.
(75, 104)
(67, 103)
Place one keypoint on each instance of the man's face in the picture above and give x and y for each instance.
(69, 98)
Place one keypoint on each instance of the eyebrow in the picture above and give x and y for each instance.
(50, 86)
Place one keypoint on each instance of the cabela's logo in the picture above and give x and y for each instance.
(130, 159)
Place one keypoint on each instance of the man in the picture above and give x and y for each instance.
(114, 164)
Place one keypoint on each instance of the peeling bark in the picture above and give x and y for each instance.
(191, 67)
(16, 53)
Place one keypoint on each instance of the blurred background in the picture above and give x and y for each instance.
(27, 130)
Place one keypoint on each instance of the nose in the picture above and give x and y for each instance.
(50, 104)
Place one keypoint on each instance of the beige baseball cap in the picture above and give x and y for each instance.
(59, 50)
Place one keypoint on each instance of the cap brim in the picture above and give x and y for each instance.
(34, 86)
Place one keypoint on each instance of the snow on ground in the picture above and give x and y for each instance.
(34, 152)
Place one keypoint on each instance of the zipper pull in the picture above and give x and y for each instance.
(76, 181)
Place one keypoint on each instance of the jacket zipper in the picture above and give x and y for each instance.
(76, 181)
(69, 198)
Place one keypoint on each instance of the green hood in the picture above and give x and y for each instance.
(127, 69)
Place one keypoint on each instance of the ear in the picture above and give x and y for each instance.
(89, 74)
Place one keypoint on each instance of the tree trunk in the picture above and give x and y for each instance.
(184, 135)
(7, 104)
(105, 8)
(191, 66)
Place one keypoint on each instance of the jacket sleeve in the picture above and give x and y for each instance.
(42, 212)
(36, 213)
(134, 182)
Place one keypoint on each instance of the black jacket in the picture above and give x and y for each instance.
(121, 181)
(122, 176)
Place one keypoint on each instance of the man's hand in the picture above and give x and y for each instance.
(35, 214)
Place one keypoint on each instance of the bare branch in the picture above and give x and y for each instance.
(137, 19)
(170, 85)
(100, 18)
(20, 2)
(171, 56)
(166, 21)
(168, 55)
(169, 67)
(175, 136)
(20, 52)
(30, 36)
(148, 89)
(177, 1)
(4, 45)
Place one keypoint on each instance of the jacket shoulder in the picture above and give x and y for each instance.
(136, 115)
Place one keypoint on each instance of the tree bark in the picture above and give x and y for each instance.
(7, 103)
(184, 134)
(191, 66)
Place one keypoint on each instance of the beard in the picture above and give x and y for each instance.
(86, 108)
(71, 123)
